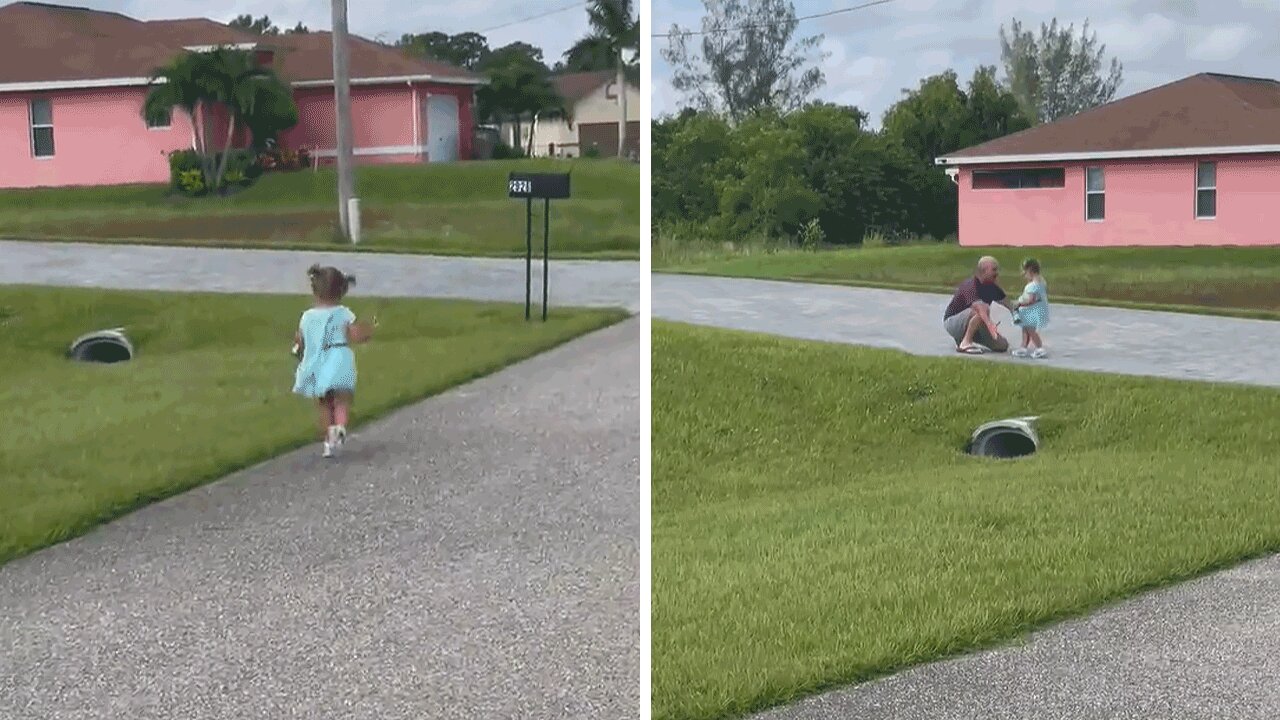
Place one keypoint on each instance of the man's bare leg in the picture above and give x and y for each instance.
(970, 328)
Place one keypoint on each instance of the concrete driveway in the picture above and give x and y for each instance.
(473, 556)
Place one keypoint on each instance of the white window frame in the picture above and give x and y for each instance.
(167, 126)
(1199, 188)
(1088, 192)
(32, 126)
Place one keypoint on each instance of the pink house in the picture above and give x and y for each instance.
(73, 80)
(1194, 162)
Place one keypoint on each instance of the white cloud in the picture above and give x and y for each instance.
(1222, 43)
(1139, 40)
(912, 32)
(932, 62)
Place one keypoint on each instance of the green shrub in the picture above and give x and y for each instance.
(503, 151)
(811, 235)
(591, 152)
(191, 182)
(182, 161)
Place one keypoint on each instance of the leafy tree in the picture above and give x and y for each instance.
(519, 86)
(251, 95)
(257, 26)
(264, 26)
(749, 59)
(1057, 74)
(613, 43)
(466, 50)
(940, 117)
(516, 52)
(688, 152)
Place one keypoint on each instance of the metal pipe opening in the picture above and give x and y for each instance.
(1011, 438)
(103, 346)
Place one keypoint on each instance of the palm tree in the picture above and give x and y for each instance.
(614, 39)
(179, 85)
(251, 95)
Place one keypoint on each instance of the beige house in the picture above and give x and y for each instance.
(593, 98)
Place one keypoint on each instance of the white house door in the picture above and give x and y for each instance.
(442, 128)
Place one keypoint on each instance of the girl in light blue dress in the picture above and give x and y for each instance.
(327, 365)
(1032, 311)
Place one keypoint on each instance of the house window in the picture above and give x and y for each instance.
(163, 122)
(1019, 179)
(1206, 190)
(1095, 199)
(42, 128)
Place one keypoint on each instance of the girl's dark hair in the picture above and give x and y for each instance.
(1031, 264)
(328, 283)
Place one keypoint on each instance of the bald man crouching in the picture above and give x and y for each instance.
(968, 317)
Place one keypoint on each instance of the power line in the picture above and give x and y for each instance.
(751, 26)
(533, 17)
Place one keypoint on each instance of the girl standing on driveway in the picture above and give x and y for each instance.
(327, 367)
(1032, 311)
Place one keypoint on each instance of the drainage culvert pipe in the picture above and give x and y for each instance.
(1008, 438)
(102, 346)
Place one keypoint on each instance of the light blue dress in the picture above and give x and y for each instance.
(1036, 315)
(328, 363)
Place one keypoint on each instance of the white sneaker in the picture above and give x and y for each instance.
(333, 441)
(1040, 354)
(1019, 353)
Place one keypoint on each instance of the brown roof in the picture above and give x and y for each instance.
(44, 43)
(575, 86)
(309, 56)
(1202, 111)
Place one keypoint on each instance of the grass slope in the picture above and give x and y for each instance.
(459, 209)
(209, 392)
(1236, 281)
(816, 523)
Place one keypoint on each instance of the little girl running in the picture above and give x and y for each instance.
(327, 366)
(1032, 311)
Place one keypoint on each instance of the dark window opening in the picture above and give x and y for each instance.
(1019, 179)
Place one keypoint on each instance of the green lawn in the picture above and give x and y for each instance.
(456, 209)
(816, 522)
(208, 393)
(1232, 281)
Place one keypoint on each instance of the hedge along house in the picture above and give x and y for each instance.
(1194, 162)
(73, 81)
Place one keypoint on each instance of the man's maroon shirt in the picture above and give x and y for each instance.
(971, 291)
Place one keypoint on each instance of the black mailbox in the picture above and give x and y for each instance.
(541, 186)
(545, 187)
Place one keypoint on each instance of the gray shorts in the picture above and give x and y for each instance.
(956, 324)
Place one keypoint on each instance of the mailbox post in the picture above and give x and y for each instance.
(546, 187)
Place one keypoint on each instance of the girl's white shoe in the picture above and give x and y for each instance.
(333, 440)
(1040, 354)
(1020, 353)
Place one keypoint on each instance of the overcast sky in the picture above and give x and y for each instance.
(875, 53)
(387, 18)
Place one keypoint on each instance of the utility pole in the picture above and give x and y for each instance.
(342, 106)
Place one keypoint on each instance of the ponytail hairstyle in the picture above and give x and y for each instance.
(329, 283)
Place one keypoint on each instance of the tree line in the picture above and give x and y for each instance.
(751, 155)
